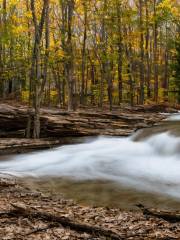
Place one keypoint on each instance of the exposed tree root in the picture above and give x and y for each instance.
(168, 216)
(20, 210)
(38, 230)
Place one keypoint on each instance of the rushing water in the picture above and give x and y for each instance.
(109, 170)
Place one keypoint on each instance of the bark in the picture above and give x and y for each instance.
(148, 68)
(128, 49)
(2, 48)
(141, 98)
(166, 67)
(83, 67)
(59, 87)
(106, 64)
(70, 61)
(120, 53)
(155, 50)
(47, 44)
(35, 66)
(63, 30)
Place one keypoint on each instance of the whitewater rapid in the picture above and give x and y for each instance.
(151, 164)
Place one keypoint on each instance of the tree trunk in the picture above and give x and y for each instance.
(141, 99)
(46, 57)
(84, 55)
(70, 61)
(35, 66)
(156, 78)
(148, 70)
(120, 53)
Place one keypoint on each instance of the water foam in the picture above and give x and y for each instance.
(174, 117)
(151, 165)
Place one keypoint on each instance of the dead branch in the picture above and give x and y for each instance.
(43, 229)
(20, 210)
(167, 216)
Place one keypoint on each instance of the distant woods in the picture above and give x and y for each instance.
(89, 52)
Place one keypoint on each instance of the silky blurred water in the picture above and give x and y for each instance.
(111, 171)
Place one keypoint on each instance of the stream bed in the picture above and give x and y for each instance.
(108, 171)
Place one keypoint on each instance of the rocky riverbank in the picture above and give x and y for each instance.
(59, 126)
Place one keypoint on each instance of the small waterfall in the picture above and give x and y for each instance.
(151, 164)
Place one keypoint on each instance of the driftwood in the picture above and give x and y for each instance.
(167, 216)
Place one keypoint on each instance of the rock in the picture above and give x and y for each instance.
(57, 124)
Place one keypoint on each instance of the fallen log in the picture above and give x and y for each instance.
(167, 216)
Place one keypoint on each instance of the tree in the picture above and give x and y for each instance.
(141, 43)
(155, 51)
(36, 75)
(103, 53)
(84, 52)
(176, 66)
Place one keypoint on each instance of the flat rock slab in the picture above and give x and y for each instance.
(15, 145)
(57, 123)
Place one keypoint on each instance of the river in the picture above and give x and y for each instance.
(108, 171)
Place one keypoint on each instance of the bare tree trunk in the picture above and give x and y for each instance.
(156, 77)
(110, 84)
(166, 68)
(47, 44)
(128, 49)
(70, 67)
(84, 54)
(2, 48)
(63, 29)
(141, 99)
(35, 67)
(148, 68)
(120, 52)
(106, 69)
(67, 11)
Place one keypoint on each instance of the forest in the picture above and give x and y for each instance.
(89, 119)
(70, 53)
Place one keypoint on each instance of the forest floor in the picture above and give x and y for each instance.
(26, 215)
